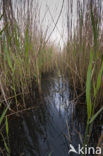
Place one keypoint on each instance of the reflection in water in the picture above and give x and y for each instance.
(50, 128)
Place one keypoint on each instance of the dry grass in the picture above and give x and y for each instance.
(87, 37)
(24, 53)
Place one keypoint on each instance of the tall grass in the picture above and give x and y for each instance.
(91, 99)
(24, 55)
(2, 117)
(90, 83)
(86, 36)
(84, 60)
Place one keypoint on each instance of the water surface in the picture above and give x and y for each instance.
(53, 126)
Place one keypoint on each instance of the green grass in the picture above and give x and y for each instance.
(24, 57)
(84, 62)
(91, 104)
(23, 62)
(2, 117)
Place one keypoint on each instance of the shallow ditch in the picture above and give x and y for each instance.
(53, 126)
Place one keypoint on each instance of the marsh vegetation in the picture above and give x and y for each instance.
(37, 80)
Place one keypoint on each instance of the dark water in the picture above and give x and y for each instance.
(53, 126)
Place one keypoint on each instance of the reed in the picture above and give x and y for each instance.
(92, 84)
(84, 61)
(86, 36)
(91, 98)
(24, 55)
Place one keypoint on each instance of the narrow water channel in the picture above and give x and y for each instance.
(53, 126)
